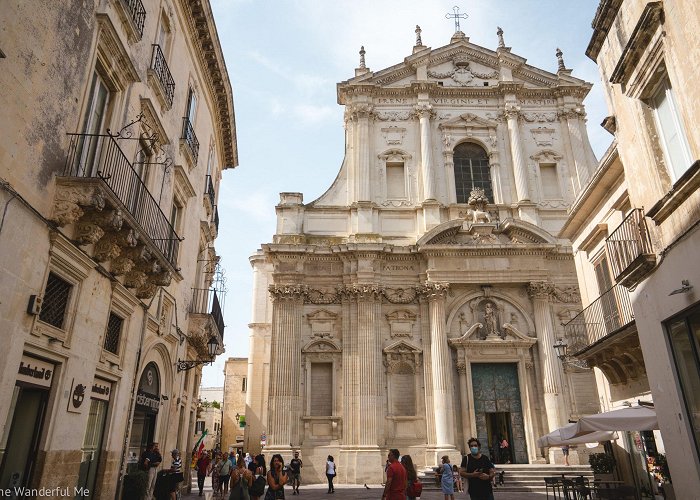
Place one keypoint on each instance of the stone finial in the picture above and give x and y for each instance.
(362, 57)
(501, 43)
(419, 42)
(560, 60)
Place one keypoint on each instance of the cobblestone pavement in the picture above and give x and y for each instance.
(355, 492)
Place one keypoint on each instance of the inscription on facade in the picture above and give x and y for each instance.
(399, 267)
(537, 102)
(392, 100)
(460, 101)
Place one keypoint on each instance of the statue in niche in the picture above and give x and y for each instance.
(491, 322)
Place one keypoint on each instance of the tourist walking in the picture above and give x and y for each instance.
(215, 473)
(151, 462)
(331, 471)
(395, 488)
(259, 473)
(447, 482)
(295, 466)
(276, 478)
(479, 471)
(176, 476)
(411, 476)
(203, 464)
(224, 474)
(565, 452)
(241, 481)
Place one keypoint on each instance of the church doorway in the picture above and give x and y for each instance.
(498, 411)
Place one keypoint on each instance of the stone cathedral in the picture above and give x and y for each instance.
(416, 302)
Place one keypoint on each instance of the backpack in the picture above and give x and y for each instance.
(257, 489)
(415, 489)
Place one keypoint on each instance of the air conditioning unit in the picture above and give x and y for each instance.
(34, 306)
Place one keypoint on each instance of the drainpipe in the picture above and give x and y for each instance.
(132, 403)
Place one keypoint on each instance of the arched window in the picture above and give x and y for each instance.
(471, 171)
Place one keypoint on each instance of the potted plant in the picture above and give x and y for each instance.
(603, 465)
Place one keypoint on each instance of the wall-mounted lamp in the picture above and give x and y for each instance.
(685, 288)
(561, 347)
(212, 347)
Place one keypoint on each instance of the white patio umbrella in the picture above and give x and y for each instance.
(554, 438)
(634, 418)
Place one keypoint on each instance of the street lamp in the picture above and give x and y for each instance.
(212, 348)
(560, 347)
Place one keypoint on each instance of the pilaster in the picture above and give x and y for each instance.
(519, 167)
(424, 113)
(285, 358)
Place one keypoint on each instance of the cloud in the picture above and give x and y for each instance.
(303, 82)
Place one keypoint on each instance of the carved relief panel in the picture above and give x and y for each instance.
(323, 324)
(401, 323)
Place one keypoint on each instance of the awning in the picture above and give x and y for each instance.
(555, 438)
(635, 418)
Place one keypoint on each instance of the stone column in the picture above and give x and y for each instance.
(364, 179)
(576, 134)
(441, 368)
(555, 404)
(285, 368)
(516, 149)
(424, 112)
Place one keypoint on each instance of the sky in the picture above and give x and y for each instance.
(284, 58)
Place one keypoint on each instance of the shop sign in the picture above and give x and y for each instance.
(147, 402)
(35, 371)
(76, 397)
(101, 390)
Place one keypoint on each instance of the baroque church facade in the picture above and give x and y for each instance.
(415, 303)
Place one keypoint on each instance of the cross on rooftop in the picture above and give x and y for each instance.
(456, 16)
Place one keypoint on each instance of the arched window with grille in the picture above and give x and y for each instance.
(471, 164)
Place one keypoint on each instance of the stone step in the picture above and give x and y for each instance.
(518, 477)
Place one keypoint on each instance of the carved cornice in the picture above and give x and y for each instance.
(318, 296)
(200, 22)
(401, 295)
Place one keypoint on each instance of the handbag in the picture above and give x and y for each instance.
(415, 489)
(237, 491)
(257, 489)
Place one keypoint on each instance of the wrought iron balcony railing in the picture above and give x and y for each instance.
(190, 139)
(100, 157)
(206, 301)
(165, 78)
(138, 14)
(209, 190)
(630, 249)
(215, 219)
(608, 314)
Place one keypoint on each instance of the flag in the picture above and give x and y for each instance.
(199, 446)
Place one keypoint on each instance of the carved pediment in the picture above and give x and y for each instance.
(509, 232)
(401, 346)
(321, 346)
(511, 337)
(402, 357)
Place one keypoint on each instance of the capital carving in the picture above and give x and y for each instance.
(358, 111)
(461, 367)
(424, 111)
(540, 289)
(369, 291)
(433, 290)
(512, 111)
(288, 292)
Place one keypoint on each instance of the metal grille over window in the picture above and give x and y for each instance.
(114, 331)
(56, 296)
(472, 171)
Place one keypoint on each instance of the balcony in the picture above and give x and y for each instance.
(209, 192)
(604, 335)
(134, 14)
(215, 219)
(189, 141)
(206, 319)
(114, 214)
(630, 250)
(608, 314)
(162, 79)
